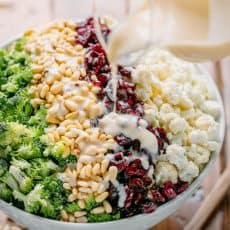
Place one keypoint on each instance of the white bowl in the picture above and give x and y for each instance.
(142, 221)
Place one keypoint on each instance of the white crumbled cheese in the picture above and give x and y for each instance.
(177, 125)
(181, 100)
(188, 173)
(165, 172)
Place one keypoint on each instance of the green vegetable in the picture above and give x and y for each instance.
(40, 168)
(91, 203)
(9, 180)
(103, 217)
(3, 167)
(72, 207)
(5, 193)
(25, 183)
(46, 199)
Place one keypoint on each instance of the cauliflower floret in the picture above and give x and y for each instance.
(175, 154)
(196, 96)
(179, 138)
(204, 122)
(188, 173)
(172, 92)
(198, 137)
(177, 125)
(213, 146)
(165, 172)
(151, 114)
(188, 114)
(185, 102)
(212, 108)
(198, 154)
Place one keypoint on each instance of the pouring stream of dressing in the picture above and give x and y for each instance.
(194, 30)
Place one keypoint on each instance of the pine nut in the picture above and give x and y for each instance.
(82, 183)
(94, 186)
(44, 91)
(104, 166)
(107, 206)
(96, 169)
(81, 219)
(113, 173)
(81, 204)
(98, 210)
(80, 213)
(56, 88)
(71, 106)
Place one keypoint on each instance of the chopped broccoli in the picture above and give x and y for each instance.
(25, 182)
(19, 44)
(9, 180)
(90, 203)
(28, 151)
(38, 119)
(103, 217)
(46, 199)
(72, 207)
(32, 200)
(20, 163)
(57, 151)
(12, 133)
(5, 193)
(67, 161)
(41, 168)
(3, 167)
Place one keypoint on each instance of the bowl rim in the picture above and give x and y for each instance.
(170, 205)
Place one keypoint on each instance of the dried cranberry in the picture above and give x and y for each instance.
(133, 171)
(148, 207)
(181, 187)
(157, 196)
(121, 165)
(147, 180)
(124, 72)
(169, 190)
(136, 163)
(136, 182)
(137, 198)
(122, 140)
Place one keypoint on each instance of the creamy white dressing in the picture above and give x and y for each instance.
(115, 124)
(121, 192)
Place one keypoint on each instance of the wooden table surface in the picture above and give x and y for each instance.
(18, 15)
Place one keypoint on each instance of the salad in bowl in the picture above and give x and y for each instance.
(70, 152)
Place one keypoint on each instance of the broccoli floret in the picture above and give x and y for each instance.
(3, 167)
(90, 203)
(55, 150)
(19, 44)
(12, 133)
(67, 161)
(103, 217)
(38, 119)
(41, 168)
(54, 191)
(46, 199)
(28, 151)
(20, 163)
(9, 180)
(5, 193)
(31, 201)
(25, 182)
(18, 107)
(72, 207)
